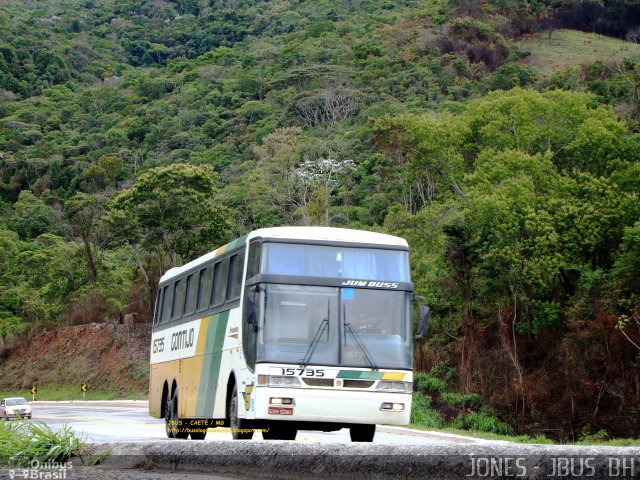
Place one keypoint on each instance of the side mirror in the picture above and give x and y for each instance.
(424, 316)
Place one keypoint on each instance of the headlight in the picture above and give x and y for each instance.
(281, 381)
(278, 381)
(394, 386)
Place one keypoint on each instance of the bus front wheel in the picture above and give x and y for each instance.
(239, 430)
(362, 433)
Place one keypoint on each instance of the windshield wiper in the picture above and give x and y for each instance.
(324, 325)
(357, 339)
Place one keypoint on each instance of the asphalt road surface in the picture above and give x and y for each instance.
(139, 451)
(129, 421)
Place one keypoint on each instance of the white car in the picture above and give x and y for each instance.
(15, 407)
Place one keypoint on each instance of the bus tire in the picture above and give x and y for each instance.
(172, 423)
(239, 430)
(182, 432)
(169, 421)
(279, 433)
(362, 433)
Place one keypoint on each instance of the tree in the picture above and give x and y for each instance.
(318, 179)
(86, 214)
(544, 248)
(9, 247)
(427, 152)
(272, 187)
(172, 210)
(32, 217)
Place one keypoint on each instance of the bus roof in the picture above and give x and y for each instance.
(329, 234)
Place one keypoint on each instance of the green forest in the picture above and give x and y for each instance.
(136, 135)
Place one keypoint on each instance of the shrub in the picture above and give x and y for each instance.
(482, 421)
(23, 442)
(458, 400)
(470, 29)
(512, 75)
(422, 413)
(492, 55)
(424, 383)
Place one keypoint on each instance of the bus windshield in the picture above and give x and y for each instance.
(349, 327)
(336, 262)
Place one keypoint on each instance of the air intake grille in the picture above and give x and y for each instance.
(358, 383)
(318, 382)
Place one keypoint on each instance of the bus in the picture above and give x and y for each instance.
(285, 329)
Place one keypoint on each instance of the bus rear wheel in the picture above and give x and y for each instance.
(173, 425)
(169, 423)
(362, 433)
(239, 429)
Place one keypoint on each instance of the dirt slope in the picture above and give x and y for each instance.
(106, 357)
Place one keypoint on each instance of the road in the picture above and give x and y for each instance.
(129, 421)
(139, 451)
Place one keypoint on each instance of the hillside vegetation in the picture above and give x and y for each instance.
(136, 135)
(107, 358)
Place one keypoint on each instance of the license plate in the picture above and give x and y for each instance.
(280, 411)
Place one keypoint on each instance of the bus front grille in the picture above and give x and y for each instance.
(347, 383)
(318, 382)
(358, 383)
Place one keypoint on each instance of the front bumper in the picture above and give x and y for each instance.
(335, 406)
(17, 415)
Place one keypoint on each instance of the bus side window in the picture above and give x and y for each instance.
(206, 283)
(167, 301)
(221, 271)
(158, 311)
(253, 262)
(178, 301)
(235, 277)
(192, 294)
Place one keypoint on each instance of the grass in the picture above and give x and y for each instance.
(571, 48)
(540, 439)
(62, 392)
(613, 442)
(22, 442)
(482, 421)
(422, 414)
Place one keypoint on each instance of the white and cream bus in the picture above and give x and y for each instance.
(285, 329)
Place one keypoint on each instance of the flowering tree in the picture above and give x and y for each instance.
(318, 179)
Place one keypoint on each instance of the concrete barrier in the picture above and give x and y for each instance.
(290, 460)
